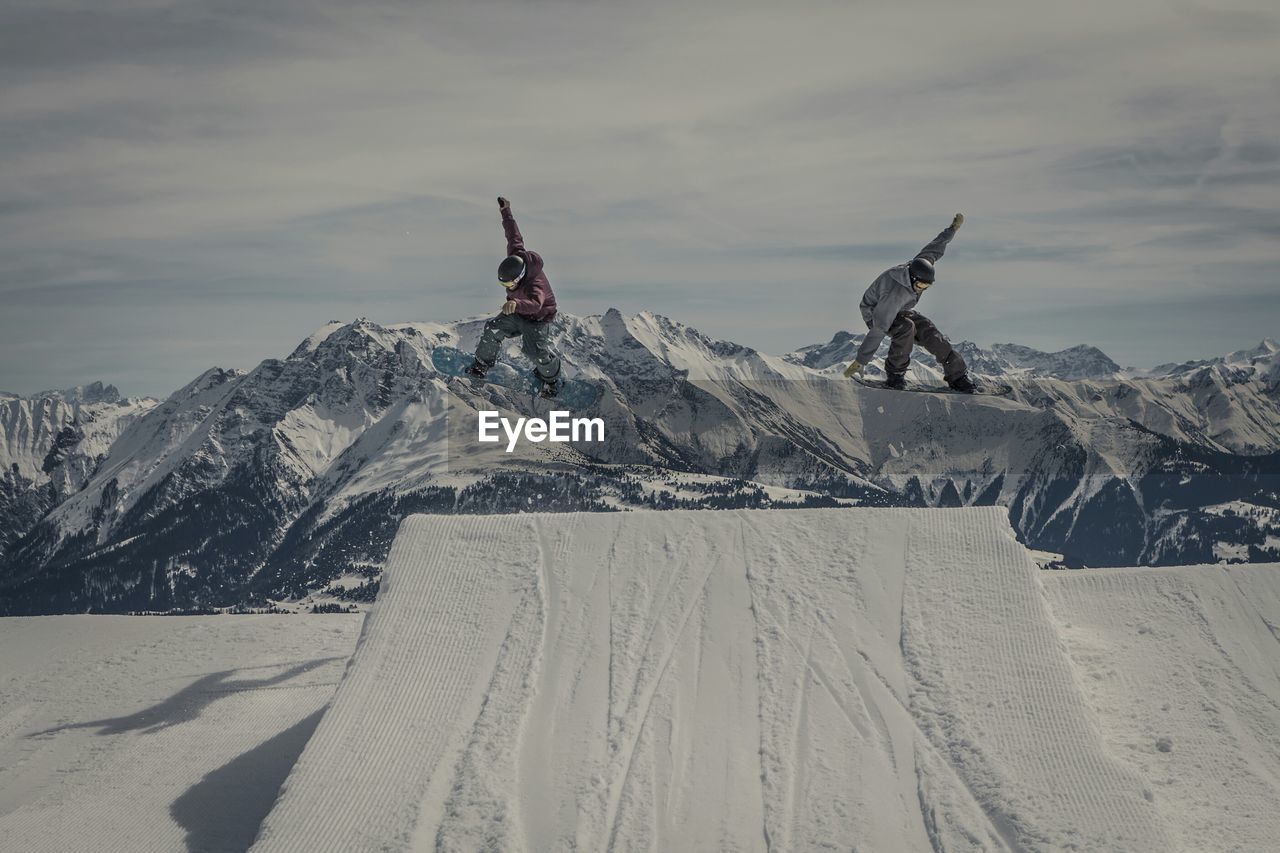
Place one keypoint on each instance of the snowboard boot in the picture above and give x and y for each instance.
(477, 369)
(963, 384)
(895, 381)
(550, 388)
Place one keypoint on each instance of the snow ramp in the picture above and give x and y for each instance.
(871, 679)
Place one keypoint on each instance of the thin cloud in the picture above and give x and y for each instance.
(745, 168)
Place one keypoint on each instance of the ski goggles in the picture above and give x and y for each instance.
(920, 284)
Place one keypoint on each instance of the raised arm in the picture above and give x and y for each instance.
(934, 250)
(515, 242)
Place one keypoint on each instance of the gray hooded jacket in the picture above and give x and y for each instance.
(891, 294)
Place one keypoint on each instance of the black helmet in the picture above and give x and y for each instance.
(511, 268)
(921, 269)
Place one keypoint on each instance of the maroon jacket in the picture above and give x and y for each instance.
(532, 296)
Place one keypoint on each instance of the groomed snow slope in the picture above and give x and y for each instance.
(1181, 668)
(140, 734)
(790, 680)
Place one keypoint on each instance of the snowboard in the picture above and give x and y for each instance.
(985, 389)
(574, 394)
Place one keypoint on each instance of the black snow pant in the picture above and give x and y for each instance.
(536, 343)
(910, 329)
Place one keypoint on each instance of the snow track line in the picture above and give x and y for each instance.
(820, 676)
(542, 705)
(998, 830)
(858, 807)
(1068, 786)
(885, 740)
(483, 807)
(791, 791)
(801, 728)
(997, 824)
(619, 782)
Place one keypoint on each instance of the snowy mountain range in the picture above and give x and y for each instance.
(1006, 360)
(247, 487)
(50, 444)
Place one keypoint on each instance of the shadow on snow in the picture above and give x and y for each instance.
(222, 812)
(188, 703)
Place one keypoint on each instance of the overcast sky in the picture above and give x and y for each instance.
(193, 184)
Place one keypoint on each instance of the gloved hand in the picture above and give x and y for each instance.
(503, 204)
(958, 221)
(509, 307)
(855, 368)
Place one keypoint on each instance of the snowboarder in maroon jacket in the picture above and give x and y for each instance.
(528, 311)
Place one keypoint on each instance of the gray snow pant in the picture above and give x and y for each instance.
(536, 343)
(910, 329)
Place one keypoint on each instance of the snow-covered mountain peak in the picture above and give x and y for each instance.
(214, 377)
(1004, 360)
(361, 336)
(1264, 351)
(1078, 362)
(662, 334)
(436, 334)
(317, 337)
(53, 440)
(837, 351)
(94, 392)
(1261, 363)
(675, 345)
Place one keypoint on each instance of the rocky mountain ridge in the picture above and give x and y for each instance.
(244, 487)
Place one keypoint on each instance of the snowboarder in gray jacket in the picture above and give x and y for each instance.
(888, 309)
